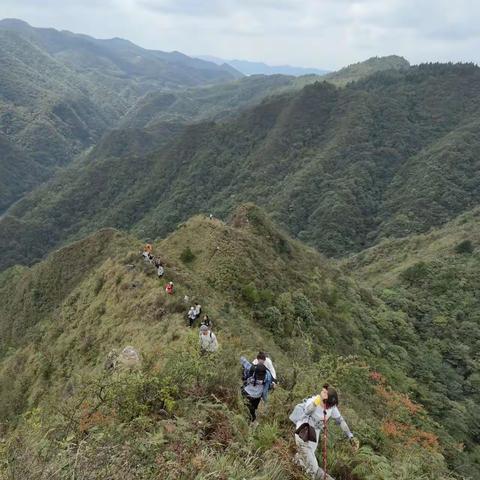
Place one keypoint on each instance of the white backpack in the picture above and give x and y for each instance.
(298, 412)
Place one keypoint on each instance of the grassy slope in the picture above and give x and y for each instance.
(180, 414)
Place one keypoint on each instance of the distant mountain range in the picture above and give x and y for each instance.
(59, 91)
(259, 68)
(340, 168)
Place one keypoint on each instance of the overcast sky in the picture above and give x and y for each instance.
(314, 33)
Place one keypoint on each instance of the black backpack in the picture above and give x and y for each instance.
(250, 376)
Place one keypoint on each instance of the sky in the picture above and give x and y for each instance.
(325, 34)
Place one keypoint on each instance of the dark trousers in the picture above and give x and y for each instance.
(252, 404)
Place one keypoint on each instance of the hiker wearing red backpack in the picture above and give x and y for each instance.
(310, 418)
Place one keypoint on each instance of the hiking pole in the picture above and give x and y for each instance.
(325, 434)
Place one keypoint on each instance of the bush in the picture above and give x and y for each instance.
(250, 294)
(272, 319)
(464, 247)
(416, 274)
(187, 256)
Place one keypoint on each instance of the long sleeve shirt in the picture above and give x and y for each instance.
(208, 342)
(256, 389)
(314, 416)
(269, 364)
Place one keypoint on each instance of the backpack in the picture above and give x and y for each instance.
(250, 376)
(298, 412)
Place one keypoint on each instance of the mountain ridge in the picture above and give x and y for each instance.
(260, 288)
(61, 91)
(339, 152)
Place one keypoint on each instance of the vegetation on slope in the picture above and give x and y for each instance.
(179, 414)
(219, 102)
(59, 92)
(339, 168)
(360, 70)
(434, 279)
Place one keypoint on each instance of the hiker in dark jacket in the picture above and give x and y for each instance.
(206, 321)
(257, 383)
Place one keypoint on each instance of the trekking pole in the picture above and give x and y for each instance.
(325, 434)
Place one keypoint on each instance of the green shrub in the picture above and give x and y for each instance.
(416, 274)
(464, 247)
(272, 319)
(251, 294)
(187, 256)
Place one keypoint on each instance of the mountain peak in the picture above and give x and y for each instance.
(14, 22)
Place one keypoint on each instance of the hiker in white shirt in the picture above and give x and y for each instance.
(208, 340)
(310, 418)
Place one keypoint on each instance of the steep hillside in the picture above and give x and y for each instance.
(213, 102)
(222, 101)
(46, 114)
(60, 91)
(67, 412)
(340, 168)
(117, 60)
(18, 172)
(434, 278)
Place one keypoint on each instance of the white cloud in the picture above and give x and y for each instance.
(322, 33)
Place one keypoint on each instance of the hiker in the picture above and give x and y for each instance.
(262, 357)
(206, 321)
(310, 418)
(208, 340)
(191, 316)
(169, 288)
(159, 266)
(198, 310)
(147, 252)
(256, 384)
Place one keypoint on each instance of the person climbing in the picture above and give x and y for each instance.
(262, 357)
(159, 266)
(169, 288)
(191, 316)
(206, 321)
(147, 251)
(198, 310)
(310, 418)
(208, 340)
(256, 384)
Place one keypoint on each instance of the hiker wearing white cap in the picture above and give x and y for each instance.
(208, 340)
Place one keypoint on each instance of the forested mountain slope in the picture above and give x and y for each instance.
(212, 102)
(340, 168)
(219, 102)
(357, 71)
(66, 413)
(120, 62)
(435, 279)
(60, 91)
